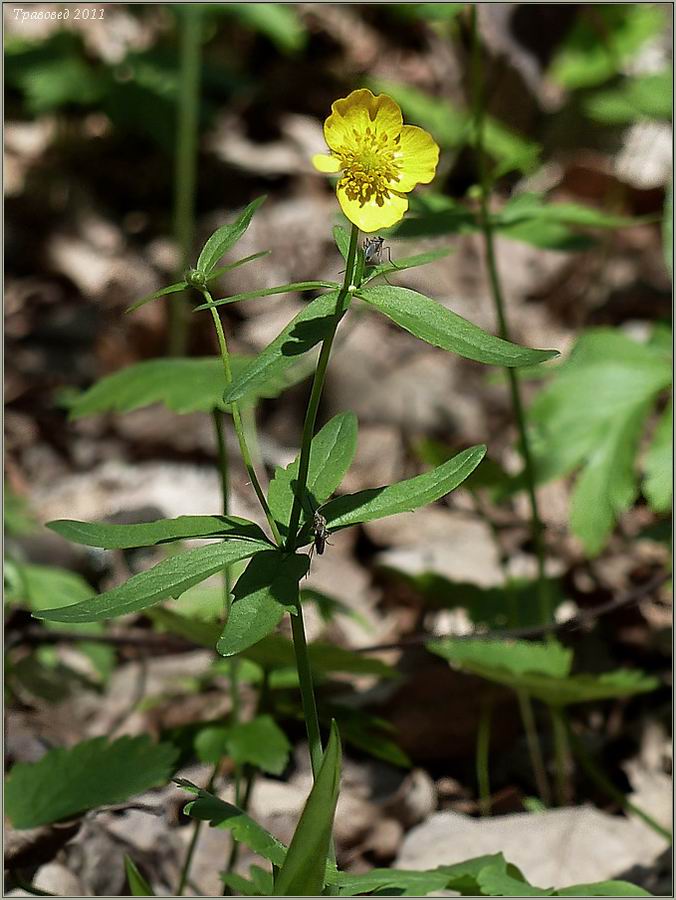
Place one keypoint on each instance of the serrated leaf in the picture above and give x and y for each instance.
(147, 534)
(162, 292)
(404, 496)
(303, 871)
(267, 589)
(292, 287)
(304, 332)
(526, 666)
(658, 481)
(138, 885)
(224, 238)
(69, 781)
(168, 578)
(331, 453)
(224, 815)
(431, 322)
(260, 743)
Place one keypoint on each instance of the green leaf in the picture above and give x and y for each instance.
(541, 670)
(342, 238)
(42, 586)
(169, 289)
(245, 830)
(267, 292)
(259, 883)
(404, 496)
(224, 238)
(303, 872)
(497, 881)
(138, 885)
(668, 229)
(168, 578)
(69, 781)
(603, 889)
(644, 96)
(267, 589)
(204, 634)
(280, 23)
(619, 380)
(304, 332)
(431, 322)
(221, 270)
(658, 484)
(147, 534)
(260, 743)
(331, 454)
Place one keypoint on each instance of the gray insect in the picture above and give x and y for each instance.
(373, 251)
(320, 532)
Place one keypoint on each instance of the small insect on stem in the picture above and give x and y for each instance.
(320, 532)
(373, 253)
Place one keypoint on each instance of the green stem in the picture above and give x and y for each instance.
(307, 693)
(608, 788)
(190, 20)
(479, 108)
(237, 420)
(197, 827)
(536, 758)
(316, 392)
(483, 742)
(564, 768)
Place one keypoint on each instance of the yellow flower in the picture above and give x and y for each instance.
(381, 158)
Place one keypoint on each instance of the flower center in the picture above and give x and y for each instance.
(370, 165)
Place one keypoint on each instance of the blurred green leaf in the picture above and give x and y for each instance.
(69, 781)
(267, 589)
(645, 96)
(603, 36)
(303, 872)
(278, 22)
(658, 482)
(17, 517)
(138, 885)
(513, 657)
(162, 292)
(331, 453)
(148, 534)
(433, 323)
(168, 578)
(290, 288)
(668, 228)
(259, 742)
(259, 883)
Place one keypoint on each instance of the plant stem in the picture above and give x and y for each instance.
(190, 18)
(478, 102)
(316, 393)
(564, 787)
(605, 785)
(537, 761)
(483, 742)
(237, 420)
(197, 827)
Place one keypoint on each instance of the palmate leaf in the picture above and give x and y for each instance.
(267, 589)
(224, 238)
(147, 534)
(331, 453)
(70, 781)
(304, 332)
(168, 578)
(431, 322)
(404, 496)
(303, 872)
(539, 669)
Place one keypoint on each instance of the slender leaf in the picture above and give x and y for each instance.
(147, 534)
(221, 270)
(404, 496)
(169, 289)
(304, 332)
(267, 589)
(138, 885)
(168, 578)
(224, 238)
(431, 322)
(224, 815)
(267, 292)
(303, 872)
(342, 238)
(331, 453)
(69, 781)
(407, 262)
(603, 889)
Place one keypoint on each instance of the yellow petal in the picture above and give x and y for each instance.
(325, 163)
(357, 112)
(371, 216)
(418, 156)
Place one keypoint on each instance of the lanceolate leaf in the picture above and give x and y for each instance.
(404, 496)
(303, 872)
(110, 537)
(267, 292)
(167, 579)
(70, 781)
(431, 322)
(220, 814)
(267, 589)
(331, 453)
(224, 238)
(304, 332)
(169, 289)
(138, 885)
